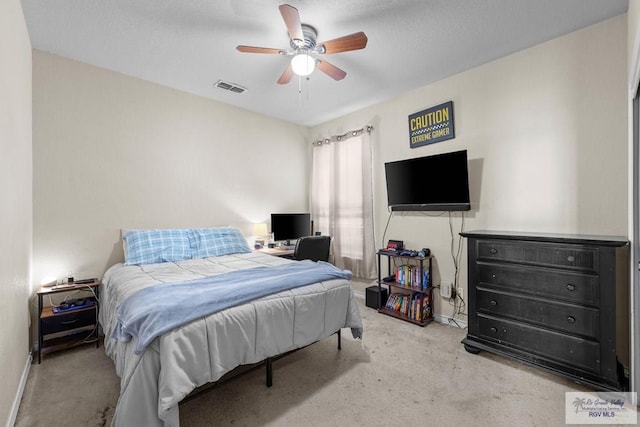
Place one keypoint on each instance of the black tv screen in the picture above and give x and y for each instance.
(290, 226)
(432, 183)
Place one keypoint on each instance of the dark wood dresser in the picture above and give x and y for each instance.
(558, 302)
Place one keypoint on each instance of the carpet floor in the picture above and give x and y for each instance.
(398, 374)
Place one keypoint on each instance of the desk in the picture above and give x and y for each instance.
(284, 253)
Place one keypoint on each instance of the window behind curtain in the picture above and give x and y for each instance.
(341, 201)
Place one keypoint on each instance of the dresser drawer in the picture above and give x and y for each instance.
(563, 317)
(567, 286)
(70, 320)
(573, 257)
(567, 349)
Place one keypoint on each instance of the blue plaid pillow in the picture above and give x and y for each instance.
(153, 246)
(218, 241)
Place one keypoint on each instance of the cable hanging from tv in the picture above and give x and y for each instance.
(344, 136)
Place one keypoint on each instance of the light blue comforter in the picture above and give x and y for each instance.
(163, 307)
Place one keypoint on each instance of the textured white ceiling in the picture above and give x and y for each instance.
(190, 44)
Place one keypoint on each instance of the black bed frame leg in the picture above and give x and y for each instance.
(269, 372)
(268, 361)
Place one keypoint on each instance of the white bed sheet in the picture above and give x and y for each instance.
(202, 351)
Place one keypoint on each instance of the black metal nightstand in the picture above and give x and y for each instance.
(57, 331)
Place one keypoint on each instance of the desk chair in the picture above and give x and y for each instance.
(315, 248)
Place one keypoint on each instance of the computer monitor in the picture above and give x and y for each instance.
(290, 226)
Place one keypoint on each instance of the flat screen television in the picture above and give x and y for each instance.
(431, 183)
(290, 226)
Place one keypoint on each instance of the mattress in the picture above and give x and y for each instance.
(202, 351)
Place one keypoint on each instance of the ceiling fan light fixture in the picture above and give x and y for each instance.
(303, 64)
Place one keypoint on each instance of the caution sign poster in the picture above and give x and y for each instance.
(432, 125)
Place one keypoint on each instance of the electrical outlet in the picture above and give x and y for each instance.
(445, 289)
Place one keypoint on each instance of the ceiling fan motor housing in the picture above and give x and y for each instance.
(310, 36)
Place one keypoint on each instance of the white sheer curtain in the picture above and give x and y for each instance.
(342, 200)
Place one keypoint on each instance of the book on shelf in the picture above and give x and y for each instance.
(426, 307)
(412, 276)
(415, 306)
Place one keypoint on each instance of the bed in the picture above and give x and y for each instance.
(158, 371)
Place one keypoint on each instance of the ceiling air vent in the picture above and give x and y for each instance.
(232, 87)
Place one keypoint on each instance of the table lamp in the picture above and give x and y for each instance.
(260, 230)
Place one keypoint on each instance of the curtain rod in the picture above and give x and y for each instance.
(347, 135)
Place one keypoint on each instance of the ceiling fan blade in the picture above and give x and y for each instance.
(292, 21)
(331, 70)
(353, 41)
(286, 76)
(254, 49)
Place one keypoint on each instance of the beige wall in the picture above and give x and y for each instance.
(546, 133)
(113, 152)
(15, 202)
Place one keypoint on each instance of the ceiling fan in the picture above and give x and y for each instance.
(305, 51)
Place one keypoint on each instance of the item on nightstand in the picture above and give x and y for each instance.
(73, 304)
(259, 244)
(424, 252)
(407, 252)
(372, 296)
(49, 282)
(395, 245)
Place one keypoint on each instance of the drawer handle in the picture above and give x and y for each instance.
(571, 319)
(493, 275)
(493, 251)
(571, 258)
(493, 302)
(69, 322)
(493, 330)
(571, 287)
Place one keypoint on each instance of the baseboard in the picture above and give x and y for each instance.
(446, 320)
(16, 401)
